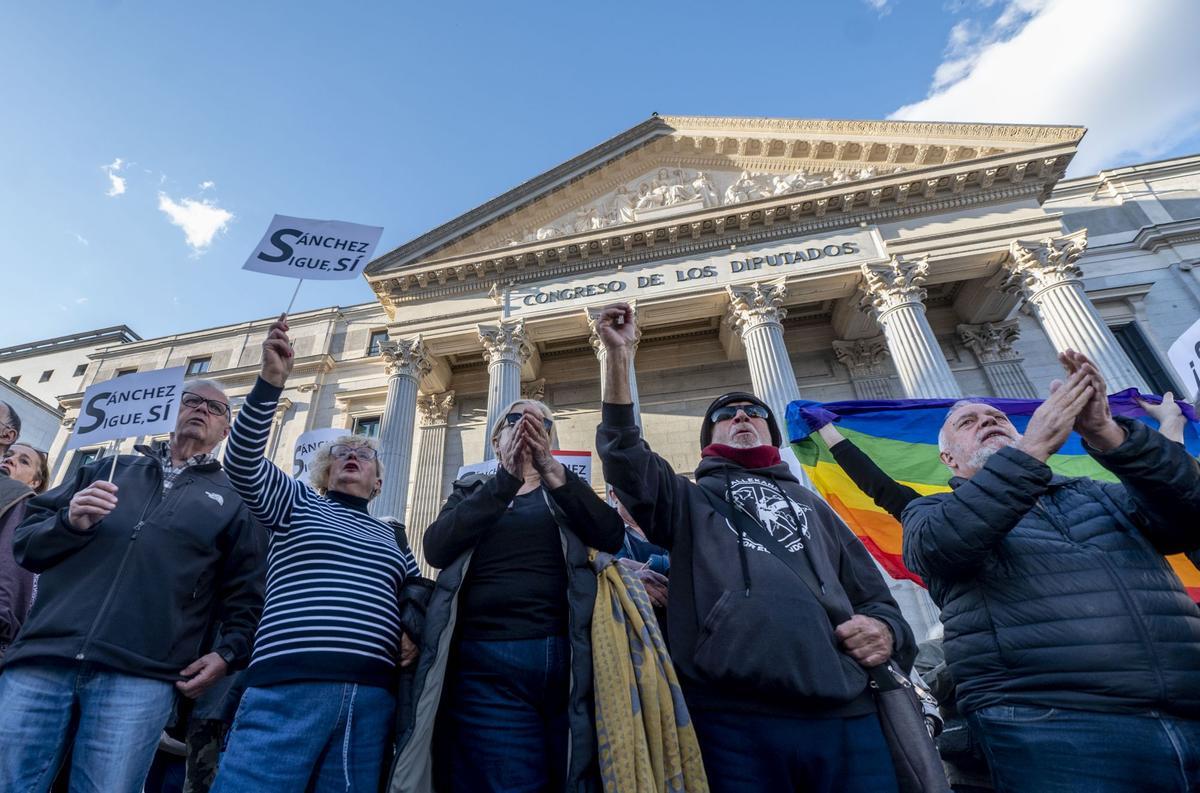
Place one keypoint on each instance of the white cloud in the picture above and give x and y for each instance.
(201, 220)
(116, 184)
(1127, 71)
(882, 6)
(207, 184)
(79, 301)
(80, 238)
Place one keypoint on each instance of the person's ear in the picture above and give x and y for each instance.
(947, 459)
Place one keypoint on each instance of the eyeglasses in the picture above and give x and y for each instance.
(215, 407)
(729, 411)
(512, 418)
(342, 451)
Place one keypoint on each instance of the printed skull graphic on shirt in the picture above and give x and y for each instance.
(773, 510)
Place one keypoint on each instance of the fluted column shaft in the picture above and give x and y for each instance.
(407, 362)
(427, 484)
(893, 294)
(1046, 274)
(506, 350)
(756, 312)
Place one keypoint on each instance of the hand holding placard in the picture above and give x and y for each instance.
(90, 505)
(278, 356)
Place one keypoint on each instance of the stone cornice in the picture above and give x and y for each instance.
(875, 200)
(749, 143)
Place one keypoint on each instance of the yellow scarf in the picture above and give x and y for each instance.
(647, 743)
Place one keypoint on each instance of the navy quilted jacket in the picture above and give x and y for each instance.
(1054, 590)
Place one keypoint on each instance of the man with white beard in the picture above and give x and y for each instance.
(1075, 649)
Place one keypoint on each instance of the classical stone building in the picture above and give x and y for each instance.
(829, 259)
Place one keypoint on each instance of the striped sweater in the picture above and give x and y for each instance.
(334, 573)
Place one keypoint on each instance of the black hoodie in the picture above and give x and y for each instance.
(746, 633)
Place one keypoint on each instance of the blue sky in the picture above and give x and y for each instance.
(145, 146)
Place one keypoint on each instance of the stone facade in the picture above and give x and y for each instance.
(829, 260)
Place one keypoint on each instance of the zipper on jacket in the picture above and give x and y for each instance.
(1123, 591)
(112, 587)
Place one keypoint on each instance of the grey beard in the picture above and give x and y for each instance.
(981, 456)
(744, 442)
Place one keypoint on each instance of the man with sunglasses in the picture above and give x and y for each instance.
(134, 572)
(778, 693)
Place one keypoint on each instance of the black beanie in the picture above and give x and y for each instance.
(737, 396)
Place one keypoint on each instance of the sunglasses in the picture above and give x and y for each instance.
(512, 418)
(342, 451)
(215, 407)
(729, 411)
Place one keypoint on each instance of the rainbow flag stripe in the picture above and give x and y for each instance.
(901, 437)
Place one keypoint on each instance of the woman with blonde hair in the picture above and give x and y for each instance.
(507, 635)
(321, 685)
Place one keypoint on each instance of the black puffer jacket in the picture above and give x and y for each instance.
(1054, 590)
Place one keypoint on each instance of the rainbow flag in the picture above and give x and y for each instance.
(901, 437)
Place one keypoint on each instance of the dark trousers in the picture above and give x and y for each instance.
(1067, 751)
(750, 753)
(504, 724)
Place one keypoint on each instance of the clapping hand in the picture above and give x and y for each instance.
(533, 434)
(1094, 423)
(1052, 422)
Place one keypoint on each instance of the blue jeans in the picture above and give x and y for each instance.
(117, 720)
(1063, 751)
(311, 736)
(505, 722)
(757, 753)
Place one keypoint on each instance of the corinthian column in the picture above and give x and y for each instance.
(756, 312)
(407, 361)
(892, 293)
(1045, 273)
(602, 357)
(992, 343)
(863, 358)
(506, 349)
(434, 410)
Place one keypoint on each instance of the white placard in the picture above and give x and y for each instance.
(579, 462)
(1185, 357)
(142, 403)
(307, 446)
(321, 250)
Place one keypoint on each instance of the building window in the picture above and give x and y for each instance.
(198, 365)
(79, 370)
(15, 379)
(375, 346)
(81, 458)
(46, 375)
(367, 425)
(123, 372)
(1134, 343)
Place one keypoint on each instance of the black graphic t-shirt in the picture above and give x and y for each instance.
(784, 518)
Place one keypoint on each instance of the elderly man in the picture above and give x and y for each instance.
(133, 573)
(1075, 648)
(778, 693)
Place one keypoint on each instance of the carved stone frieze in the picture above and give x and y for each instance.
(1037, 264)
(534, 389)
(863, 357)
(406, 358)
(434, 408)
(887, 285)
(991, 341)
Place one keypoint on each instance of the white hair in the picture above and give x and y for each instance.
(205, 383)
(318, 472)
(944, 432)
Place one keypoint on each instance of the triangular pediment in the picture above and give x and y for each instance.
(675, 165)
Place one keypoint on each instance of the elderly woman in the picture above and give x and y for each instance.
(507, 643)
(320, 693)
(28, 475)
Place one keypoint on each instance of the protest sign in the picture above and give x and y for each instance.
(580, 464)
(143, 403)
(307, 446)
(323, 250)
(1185, 358)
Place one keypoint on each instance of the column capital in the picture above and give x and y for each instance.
(505, 341)
(534, 389)
(593, 314)
(1035, 265)
(991, 341)
(434, 408)
(889, 285)
(863, 357)
(756, 304)
(406, 358)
